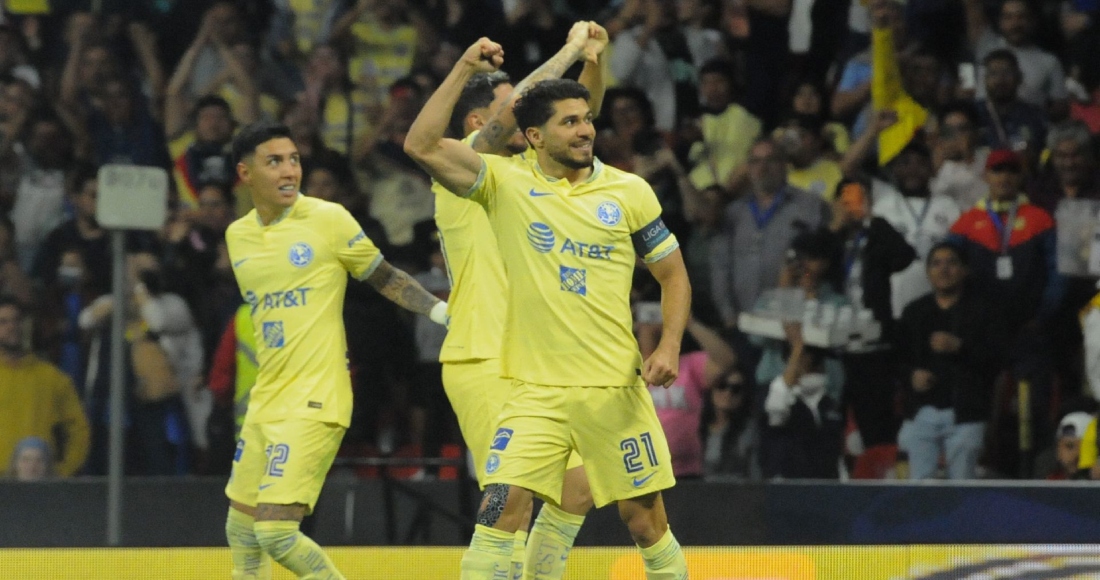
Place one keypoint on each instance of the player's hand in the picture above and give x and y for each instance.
(597, 41)
(578, 37)
(662, 367)
(483, 56)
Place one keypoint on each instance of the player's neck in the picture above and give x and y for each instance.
(556, 170)
(269, 213)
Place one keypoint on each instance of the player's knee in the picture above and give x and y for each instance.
(503, 506)
(276, 539)
(643, 520)
(576, 497)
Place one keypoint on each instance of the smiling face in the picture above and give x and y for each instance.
(568, 136)
(273, 172)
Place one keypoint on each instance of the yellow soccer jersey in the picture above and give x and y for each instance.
(293, 273)
(570, 252)
(477, 304)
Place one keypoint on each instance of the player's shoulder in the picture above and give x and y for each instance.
(618, 179)
(242, 225)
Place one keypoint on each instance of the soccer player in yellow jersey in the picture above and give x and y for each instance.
(471, 352)
(569, 230)
(291, 256)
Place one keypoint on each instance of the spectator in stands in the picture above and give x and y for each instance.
(948, 349)
(805, 424)
(629, 127)
(730, 430)
(164, 361)
(32, 460)
(812, 265)
(1010, 247)
(751, 247)
(656, 54)
(1042, 82)
(809, 99)
(343, 112)
(680, 406)
(237, 80)
(40, 194)
(40, 400)
(958, 160)
(233, 370)
(810, 168)
(704, 213)
(121, 128)
(14, 282)
(1008, 122)
(82, 232)
(1067, 446)
(853, 92)
(722, 134)
(1073, 162)
(222, 26)
(873, 252)
(532, 33)
(15, 63)
(297, 27)
(189, 247)
(200, 151)
(385, 37)
(17, 100)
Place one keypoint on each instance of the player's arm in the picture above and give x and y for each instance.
(663, 366)
(582, 44)
(595, 73)
(450, 162)
(406, 292)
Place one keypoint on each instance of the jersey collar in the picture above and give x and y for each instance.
(597, 168)
(282, 216)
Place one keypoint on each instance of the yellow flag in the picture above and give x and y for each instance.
(887, 93)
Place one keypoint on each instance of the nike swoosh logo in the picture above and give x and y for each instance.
(641, 482)
(534, 193)
(238, 263)
(267, 485)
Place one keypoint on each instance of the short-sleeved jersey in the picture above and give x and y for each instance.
(570, 252)
(293, 274)
(477, 304)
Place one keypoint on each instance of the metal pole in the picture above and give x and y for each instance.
(117, 398)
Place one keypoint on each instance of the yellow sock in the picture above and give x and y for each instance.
(296, 552)
(551, 539)
(518, 547)
(489, 556)
(665, 560)
(249, 560)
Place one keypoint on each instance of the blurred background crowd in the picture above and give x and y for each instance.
(911, 158)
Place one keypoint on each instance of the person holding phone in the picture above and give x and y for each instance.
(872, 252)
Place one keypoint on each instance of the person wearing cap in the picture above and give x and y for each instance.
(809, 168)
(946, 366)
(1010, 246)
(1069, 444)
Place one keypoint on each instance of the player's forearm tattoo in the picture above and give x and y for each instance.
(401, 289)
(492, 504)
(495, 134)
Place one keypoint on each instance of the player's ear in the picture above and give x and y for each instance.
(534, 136)
(243, 172)
(474, 122)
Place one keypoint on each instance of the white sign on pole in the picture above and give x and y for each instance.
(132, 197)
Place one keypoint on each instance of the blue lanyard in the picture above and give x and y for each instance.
(1003, 227)
(762, 219)
(918, 218)
(854, 251)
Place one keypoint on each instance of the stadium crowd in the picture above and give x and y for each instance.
(917, 159)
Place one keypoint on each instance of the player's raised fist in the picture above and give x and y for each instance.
(484, 55)
(597, 41)
(578, 35)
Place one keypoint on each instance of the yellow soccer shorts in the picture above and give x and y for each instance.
(283, 462)
(615, 429)
(477, 394)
